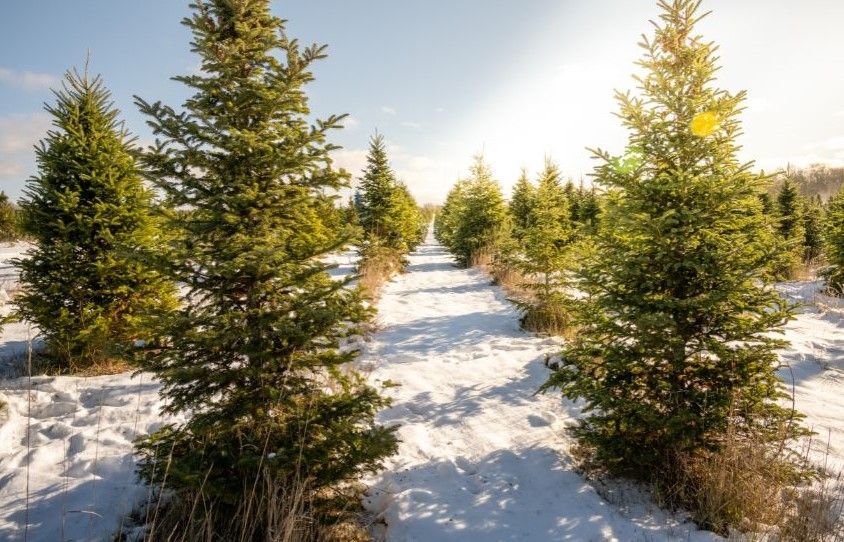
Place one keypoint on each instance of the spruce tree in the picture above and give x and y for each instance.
(789, 227)
(377, 188)
(546, 256)
(834, 243)
(675, 345)
(812, 215)
(389, 214)
(87, 283)
(254, 356)
(521, 203)
(482, 220)
(9, 229)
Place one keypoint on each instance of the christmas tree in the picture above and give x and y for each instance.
(675, 348)
(474, 218)
(546, 244)
(521, 203)
(87, 283)
(254, 356)
(9, 227)
(834, 242)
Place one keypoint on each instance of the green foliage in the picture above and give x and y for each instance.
(813, 218)
(675, 344)
(9, 219)
(474, 217)
(546, 249)
(521, 203)
(388, 213)
(789, 227)
(834, 241)
(254, 355)
(87, 283)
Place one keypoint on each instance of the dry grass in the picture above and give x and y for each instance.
(751, 491)
(375, 268)
(553, 319)
(269, 511)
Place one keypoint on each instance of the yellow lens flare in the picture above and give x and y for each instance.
(705, 124)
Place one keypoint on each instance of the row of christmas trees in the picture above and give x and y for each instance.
(201, 260)
(662, 278)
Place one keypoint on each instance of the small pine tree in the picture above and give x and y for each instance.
(389, 214)
(9, 227)
(521, 203)
(254, 354)
(546, 247)
(834, 243)
(813, 217)
(87, 283)
(675, 346)
(788, 211)
(484, 218)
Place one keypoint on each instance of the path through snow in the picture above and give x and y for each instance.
(479, 458)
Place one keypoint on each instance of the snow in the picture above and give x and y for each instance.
(481, 458)
(79, 467)
(481, 455)
(816, 367)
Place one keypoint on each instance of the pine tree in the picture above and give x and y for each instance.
(87, 283)
(546, 245)
(377, 188)
(9, 229)
(389, 214)
(254, 354)
(834, 243)
(484, 218)
(675, 343)
(521, 203)
(812, 215)
(789, 227)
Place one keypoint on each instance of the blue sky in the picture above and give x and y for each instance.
(444, 79)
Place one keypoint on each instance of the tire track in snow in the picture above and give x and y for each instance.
(479, 458)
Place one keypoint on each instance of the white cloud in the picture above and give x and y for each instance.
(350, 122)
(414, 125)
(18, 133)
(10, 168)
(28, 80)
(388, 110)
(352, 160)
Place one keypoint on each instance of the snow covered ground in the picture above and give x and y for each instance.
(816, 367)
(482, 457)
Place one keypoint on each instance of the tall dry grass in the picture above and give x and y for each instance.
(269, 510)
(750, 490)
(375, 268)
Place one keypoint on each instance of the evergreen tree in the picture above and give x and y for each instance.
(254, 354)
(521, 203)
(789, 228)
(834, 242)
(389, 214)
(812, 229)
(87, 283)
(9, 228)
(474, 218)
(589, 210)
(675, 344)
(546, 244)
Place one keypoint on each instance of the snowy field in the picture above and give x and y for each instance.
(482, 458)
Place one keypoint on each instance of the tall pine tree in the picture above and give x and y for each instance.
(834, 242)
(521, 203)
(254, 354)
(546, 245)
(87, 283)
(676, 345)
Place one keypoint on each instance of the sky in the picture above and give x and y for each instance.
(443, 80)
